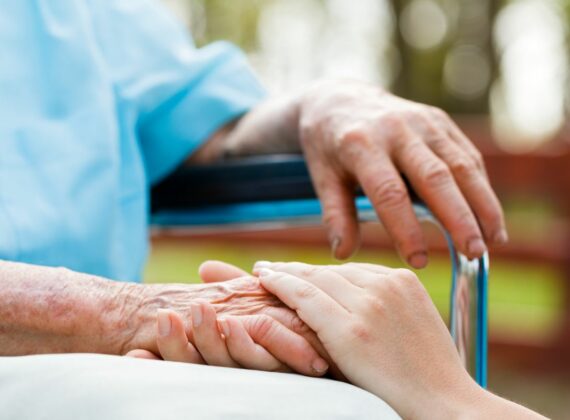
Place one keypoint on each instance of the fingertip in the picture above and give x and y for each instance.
(258, 265)
(412, 247)
(205, 265)
(344, 237)
(209, 271)
(264, 273)
(418, 259)
(343, 249)
(476, 247)
(142, 354)
(501, 237)
(320, 366)
(213, 271)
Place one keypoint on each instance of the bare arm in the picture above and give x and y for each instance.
(273, 127)
(55, 310)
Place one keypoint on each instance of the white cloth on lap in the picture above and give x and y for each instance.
(88, 386)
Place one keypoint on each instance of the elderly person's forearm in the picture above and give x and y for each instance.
(54, 310)
(271, 128)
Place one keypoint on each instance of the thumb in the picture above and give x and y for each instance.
(216, 271)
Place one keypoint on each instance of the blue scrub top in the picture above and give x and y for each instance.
(98, 100)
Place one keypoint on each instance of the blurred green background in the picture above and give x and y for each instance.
(501, 64)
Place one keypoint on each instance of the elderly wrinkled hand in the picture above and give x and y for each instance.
(259, 331)
(354, 133)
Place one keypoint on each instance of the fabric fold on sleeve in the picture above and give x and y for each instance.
(221, 88)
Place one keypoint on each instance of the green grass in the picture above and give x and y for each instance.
(525, 301)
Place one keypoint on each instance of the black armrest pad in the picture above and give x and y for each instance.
(260, 178)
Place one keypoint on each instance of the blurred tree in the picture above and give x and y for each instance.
(446, 52)
(440, 52)
(223, 19)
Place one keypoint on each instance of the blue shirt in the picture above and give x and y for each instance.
(98, 100)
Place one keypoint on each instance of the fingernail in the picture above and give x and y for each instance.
(262, 264)
(196, 312)
(476, 246)
(264, 272)
(501, 237)
(225, 327)
(164, 324)
(320, 366)
(335, 243)
(418, 259)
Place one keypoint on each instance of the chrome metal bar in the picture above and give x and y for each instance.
(468, 304)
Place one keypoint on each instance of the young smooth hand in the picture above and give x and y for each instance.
(382, 330)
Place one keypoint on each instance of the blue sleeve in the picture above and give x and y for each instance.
(222, 89)
(178, 94)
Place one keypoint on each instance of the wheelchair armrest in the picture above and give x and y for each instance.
(246, 180)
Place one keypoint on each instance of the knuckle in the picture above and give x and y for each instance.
(319, 270)
(389, 288)
(435, 174)
(305, 291)
(410, 286)
(462, 167)
(393, 121)
(308, 271)
(354, 141)
(389, 193)
(263, 327)
(375, 305)
(478, 158)
(360, 331)
(437, 141)
(304, 270)
(404, 273)
(439, 113)
(406, 277)
(298, 326)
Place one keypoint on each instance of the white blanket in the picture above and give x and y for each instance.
(88, 386)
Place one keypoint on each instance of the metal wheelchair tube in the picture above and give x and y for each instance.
(468, 300)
